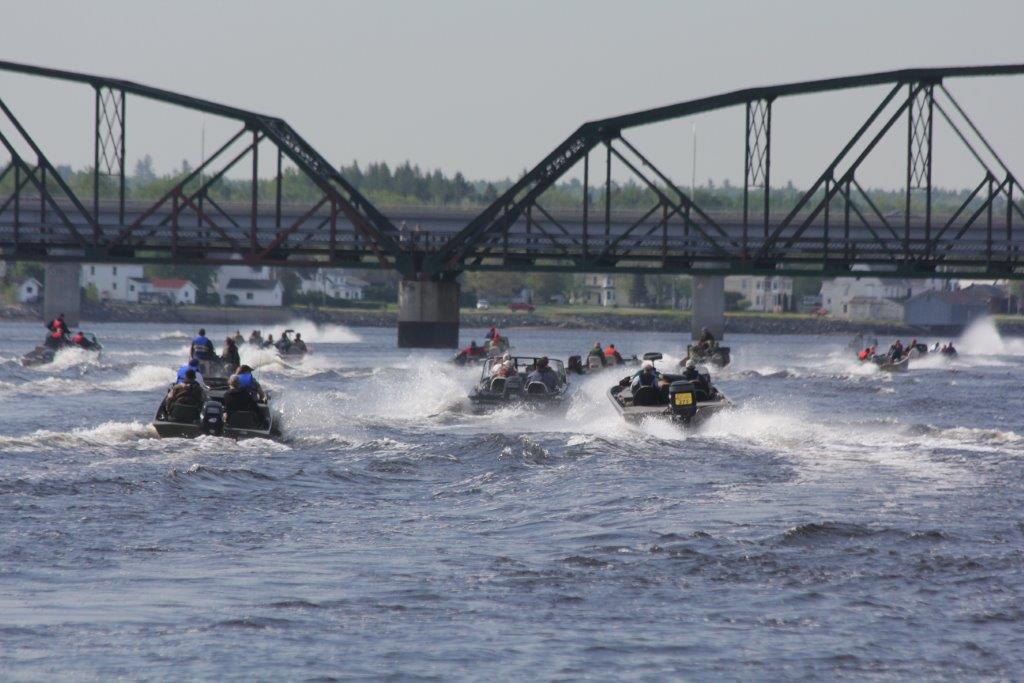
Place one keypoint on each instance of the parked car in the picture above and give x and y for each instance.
(483, 304)
(521, 306)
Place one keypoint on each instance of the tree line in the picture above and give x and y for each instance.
(408, 184)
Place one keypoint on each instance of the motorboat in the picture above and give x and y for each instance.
(287, 346)
(41, 355)
(595, 365)
(887, 364)
(516, 389)
(470, 355)
(185, 421)
(715, 354)
(675, 399)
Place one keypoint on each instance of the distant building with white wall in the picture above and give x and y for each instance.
(596, 290)
(850, 298)
(29, 290)
(225, 274)
(249, 292)
(111, 281)
(334, 284)
(766, 294)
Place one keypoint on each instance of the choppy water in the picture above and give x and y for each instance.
(839, 522)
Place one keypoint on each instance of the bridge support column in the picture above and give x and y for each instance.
(708, 305)
(428, 314)
(62, 292)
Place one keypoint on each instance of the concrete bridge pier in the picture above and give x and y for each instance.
(428, 314)
(708, 305)
(62, 292)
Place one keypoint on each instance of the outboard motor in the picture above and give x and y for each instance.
(213, 418)
(682, 399)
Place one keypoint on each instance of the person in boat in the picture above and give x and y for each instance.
(55, 340)
(58, 325)
(249, 383)
(189, 391)
(949, 349)
(896, 351)
(193, 366)
(230, 353)
(706, 341)
(612, 355)
(492, 335)
(502, 366)
(284, 343)
(238, 338)
(298, 343)
(256, 338)
(646, 376)
(543, 373)
(80, 340)
(238, 399)
(865, 354)
(268, 342)
(202, 348)
(471, 351)
(596, 352)
(701, 382)
(691, 373)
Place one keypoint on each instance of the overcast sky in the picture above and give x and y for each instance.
(488, 88)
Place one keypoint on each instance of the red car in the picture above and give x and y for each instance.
(521, 306)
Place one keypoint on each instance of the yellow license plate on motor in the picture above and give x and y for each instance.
(684, 399)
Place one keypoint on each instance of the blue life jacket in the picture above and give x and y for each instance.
(646, 380)
(182, 370)
(202, 347)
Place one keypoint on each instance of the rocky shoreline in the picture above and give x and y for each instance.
(655, 321)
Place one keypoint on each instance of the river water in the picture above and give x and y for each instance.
(839, 521)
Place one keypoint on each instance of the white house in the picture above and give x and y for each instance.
(838, 295)
(174, 290)
(225, 274)
(28, 290)
(252, 292)
(111, 281)
(596, 290)
(767, 294)
(333, 284)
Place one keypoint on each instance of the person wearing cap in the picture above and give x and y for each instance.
(612, 355)
(238, 399)
(202, 347)
(691, 374)
(647, 376)
(230, 354)
(188, 391)
(544, 374)
(193, 366)
(596, 352)
(249, 383)
(503, 367)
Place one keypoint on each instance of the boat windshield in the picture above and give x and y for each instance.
(525, 364)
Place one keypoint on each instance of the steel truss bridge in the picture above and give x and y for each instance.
(831, 228)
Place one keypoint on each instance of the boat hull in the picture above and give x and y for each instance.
(619, 396)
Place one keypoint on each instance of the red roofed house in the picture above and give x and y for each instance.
(162, 290)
